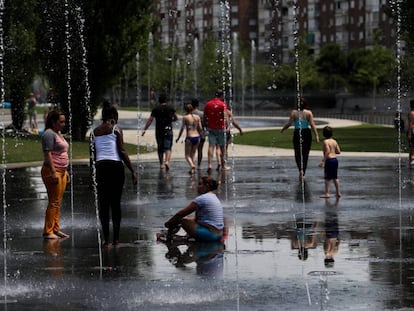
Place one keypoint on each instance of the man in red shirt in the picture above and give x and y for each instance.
(215, 115)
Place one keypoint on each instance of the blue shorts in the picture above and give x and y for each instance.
(204, 234)
(331, 169)
(193, 140)
(216, 137)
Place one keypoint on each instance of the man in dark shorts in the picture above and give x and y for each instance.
(164, 115)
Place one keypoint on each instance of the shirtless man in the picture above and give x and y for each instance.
(410, 134)
(330, 162)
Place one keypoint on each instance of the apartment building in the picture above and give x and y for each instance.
(273, 25)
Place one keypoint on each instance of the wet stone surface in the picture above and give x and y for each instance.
(270, 213)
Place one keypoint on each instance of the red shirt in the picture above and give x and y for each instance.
(214, 114)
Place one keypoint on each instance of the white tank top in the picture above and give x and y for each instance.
(105, 147)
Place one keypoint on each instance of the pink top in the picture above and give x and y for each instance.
(58, 146)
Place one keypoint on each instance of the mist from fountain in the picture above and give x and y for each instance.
(3, 153)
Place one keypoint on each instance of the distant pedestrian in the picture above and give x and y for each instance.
(192, 124)
(218, 119)
(164, 115)
(195, 103)
(31, 111)
(330, 162)
(302, 119)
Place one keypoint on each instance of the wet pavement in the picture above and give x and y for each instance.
(270, 213)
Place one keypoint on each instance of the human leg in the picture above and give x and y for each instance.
(200, 151)
(168, 141)
(160, 150)
(118, 177)
(187, 153)
(306, 147)
(338, 193)
(327, 191)
(297, 149)
(104, 189)
(55, 190)
(189, 225)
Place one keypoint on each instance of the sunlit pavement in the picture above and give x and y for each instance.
(269, 212)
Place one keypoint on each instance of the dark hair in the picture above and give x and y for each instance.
(327, 132)
(209, 182)
(412, 104)
(302, 104)
(162, 98)
(195, 102)
(52, 117)
(109, 112)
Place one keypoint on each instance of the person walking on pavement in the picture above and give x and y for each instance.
(164, 115)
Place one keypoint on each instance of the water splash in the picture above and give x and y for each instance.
(253, 74)
(150, 62)
(227, 82)
(68, 34)
(4, 162)
(85, 70)
(196, 57)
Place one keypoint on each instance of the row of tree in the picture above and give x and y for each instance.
(79, 49)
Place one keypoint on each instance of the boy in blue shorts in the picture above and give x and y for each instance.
(330, 162)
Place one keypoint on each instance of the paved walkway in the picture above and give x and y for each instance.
(130, 136)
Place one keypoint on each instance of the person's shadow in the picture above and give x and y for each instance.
(208, 256)
(51, 248)
(331, 244)
(304, 236)
(164, 185)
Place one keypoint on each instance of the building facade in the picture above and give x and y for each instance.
(273, 25)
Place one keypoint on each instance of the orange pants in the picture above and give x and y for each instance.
(55, 191)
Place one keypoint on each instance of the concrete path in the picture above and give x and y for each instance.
(131, 136)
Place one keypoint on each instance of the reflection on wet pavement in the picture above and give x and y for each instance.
(287, 249)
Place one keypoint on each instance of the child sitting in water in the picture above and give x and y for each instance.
(330, 162)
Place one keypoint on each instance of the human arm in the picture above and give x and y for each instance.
(313, 126)
(181, 130)
(176, 219)
(124, 155)
(337, 149)
(175, 117)
(147, 125)
(325, 152)
(289, 122)
(233, 120)
(48, 162)
(199, 126)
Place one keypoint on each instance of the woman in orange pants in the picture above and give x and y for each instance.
(54, 172)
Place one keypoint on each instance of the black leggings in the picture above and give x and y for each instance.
(110, 178)
(302, 142)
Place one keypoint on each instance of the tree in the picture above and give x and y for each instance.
(19, 23)
(370, 68)
(85, 45)
(331, 63)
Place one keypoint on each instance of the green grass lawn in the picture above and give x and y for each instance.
(28, 148)
(362, 138)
